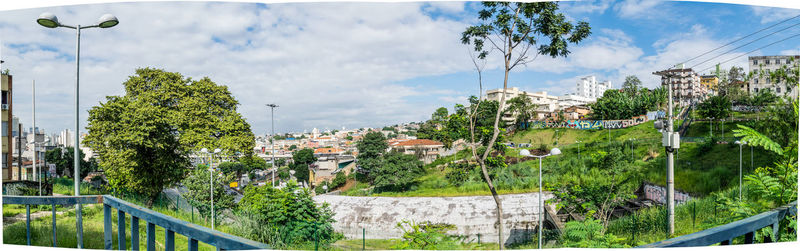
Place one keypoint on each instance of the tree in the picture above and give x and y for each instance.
(285, 217)
(198, 184)
(235, 169)
(396, 172)
(144, 137)
(439, 117)
(506, 26)
(302, 159)
(370, 151)
(523, 108)
(589, 233)
(716, 107)
(64, 160)
(631, 85)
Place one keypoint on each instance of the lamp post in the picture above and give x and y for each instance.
(526, 153)
(211, 179)
(50, 20)
(740, 143)
(272, 140)
(579, 151)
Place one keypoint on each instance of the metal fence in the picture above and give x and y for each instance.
(725, 234)
(195, 233)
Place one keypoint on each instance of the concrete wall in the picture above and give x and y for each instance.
(472, 215)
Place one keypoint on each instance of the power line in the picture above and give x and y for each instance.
(740, 39)
(744, 54)
(748, 43)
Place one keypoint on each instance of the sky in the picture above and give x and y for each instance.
(332, 65)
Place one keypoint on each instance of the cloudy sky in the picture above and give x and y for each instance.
(330, 65)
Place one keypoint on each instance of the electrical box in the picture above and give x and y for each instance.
(671, 140)
(676, 140)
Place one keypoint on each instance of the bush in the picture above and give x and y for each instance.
(459, 174)
(426, 235)
(338, 181)
(589, 234)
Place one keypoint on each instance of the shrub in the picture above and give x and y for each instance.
(426, 235)
(459, 174)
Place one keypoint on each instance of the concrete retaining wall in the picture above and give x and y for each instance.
(472, 215)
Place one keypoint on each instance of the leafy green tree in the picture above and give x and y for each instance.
(144, 137)
(280, 162)
(301, 172)
(305, 156)
(198, 183)
(370, 152)
(523, 108)
(292, 147)
(716, 107)
(439, 116)
(397, 172)
(285, 217)
(64, 160)
(631, 85)
(427, 236)
(623, 105)
(339, 180)
(512, 29)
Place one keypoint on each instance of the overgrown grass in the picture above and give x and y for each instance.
(66, 186)
(384, 244)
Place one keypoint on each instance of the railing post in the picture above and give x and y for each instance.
(79, 224)
(748, 238)
(726, 242)
(121, 229)
(151, 236)
(54, 226)
(775, 229)
(192, 244)
(169, 240)
(107, 226)
(28, 222)
(134, 233)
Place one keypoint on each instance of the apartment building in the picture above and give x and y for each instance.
(546, 103)
(7, 118)
(710, 82)
(686, 86)
(766, 65)
(590, 88)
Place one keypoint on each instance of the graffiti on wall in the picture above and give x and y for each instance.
(659, 194)
(589, 124)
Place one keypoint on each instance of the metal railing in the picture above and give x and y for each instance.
(195, 233)
(725, 234)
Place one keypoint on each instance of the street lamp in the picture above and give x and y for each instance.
(740, 143)
(579, 151)
(325, 187)
(211, 188)
(50, 20)
(272, 140)
(526, 153)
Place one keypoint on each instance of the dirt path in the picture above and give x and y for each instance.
(21, 217)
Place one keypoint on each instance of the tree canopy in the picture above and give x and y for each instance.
(144, 137)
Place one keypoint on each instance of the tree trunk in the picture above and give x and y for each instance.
(497, 202)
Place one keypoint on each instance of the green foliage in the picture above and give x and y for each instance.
(370, 151)
(459, 173)
(339, 180)
(623, 105)
(396, 172)
(144, 137)
(589, 233)
(631, 85)
(716, 107)
(754, 138)
(426, 235)
(63, 158)
(286, 216)
(523, 107)
(199, 185)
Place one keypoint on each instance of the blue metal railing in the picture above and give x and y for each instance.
(725, 234)
(195, 233)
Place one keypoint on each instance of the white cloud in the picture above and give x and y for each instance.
(446, 6)
(584, 7)
(636, 8)
(770, 14)
(325, 64)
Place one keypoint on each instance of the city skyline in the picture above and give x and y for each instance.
(356, 65)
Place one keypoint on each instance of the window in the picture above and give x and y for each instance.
(5, 128)
(776, 89)
(755, 89)
(755, 62)
(767, 62)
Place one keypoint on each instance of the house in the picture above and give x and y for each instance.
(426, 150)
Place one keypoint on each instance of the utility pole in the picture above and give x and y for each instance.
(19, 151)
(670, 141)
(272, 140)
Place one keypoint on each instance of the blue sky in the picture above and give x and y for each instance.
(330, 65)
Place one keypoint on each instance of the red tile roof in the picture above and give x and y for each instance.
(418, 142)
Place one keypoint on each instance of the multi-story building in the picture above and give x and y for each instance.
(7, 115)
(570, 100)
(590, 88)
(710, 82)
(426, 150)
(545, 103)
(686, 87)
(766, 65)
(66, 138)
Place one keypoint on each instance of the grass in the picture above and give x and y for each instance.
(384, 244)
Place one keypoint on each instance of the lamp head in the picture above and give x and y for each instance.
(217, 150)
(525, 152)
(204, 150)
(107, 21)
(325, 187)
(737, 142)
(555, 151)
(48, 20)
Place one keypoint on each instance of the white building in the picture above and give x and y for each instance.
(66, 138)
(590, 88)
(573, 100)
(546, 103)
(686, 85)
(770, 64)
